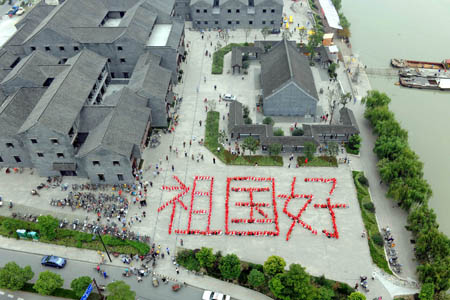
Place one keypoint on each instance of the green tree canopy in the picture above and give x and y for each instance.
(378, 114)
(390, 147)
(324, 293)
(48, 282)
(345, 99)
(422, 217)
(437, 272)
(406, 165)
(256, 278)
(432, 244)
(354, 142)
(230, 266)
(390, 127)
(278, 132)
(298, 132)
(268, 121)
(427, 291)
(314, 41)
(294, 284)
(206, 257)
(274, 265)
(48, 226)
(275, 149)
(375, 98)
(80, 284)
(250, 144)
(333, 149)
(13, 277)
(356, 296)
(119, 290)
(310, 150)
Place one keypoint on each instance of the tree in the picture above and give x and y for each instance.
(248, 121)
(432, 244)
(314, 41)
(345, 98)
(274, 265)
(251, 144)
(420, 218)
(265, 32)
(324, 293)
(119, 290)
(302, 33)
(375, 99)
(427, 291)
(256, 278)
(230, 266)
(48, 226)
(294, 284)
(48, 282)
(268, 121)
(275, 149)
(389, 147)
(354, 142)
(13, 277)
(332, 70)
(333, 149)
(356, 296)
(437, 272)
(278, 132)
(206, 257)
(80, 284)
(406, 165)
(337, 4)
(298, 132)
(310, 150)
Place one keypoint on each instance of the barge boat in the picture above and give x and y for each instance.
(403, 63)
(426, 83)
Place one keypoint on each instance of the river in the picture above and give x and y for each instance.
(412, 29)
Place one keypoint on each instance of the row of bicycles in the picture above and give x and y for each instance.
(390, 250)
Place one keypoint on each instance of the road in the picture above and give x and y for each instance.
(77, 268)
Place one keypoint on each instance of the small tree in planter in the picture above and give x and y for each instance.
(275, 149)
(310, 150)
(278, 132)
(268, 121)
(298, 132)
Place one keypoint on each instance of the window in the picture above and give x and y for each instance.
(205, 11)
(238, 22)
(197, 11)
(238, 11)
(126, 75)
(109, 60)
(206, 22)
(1, 159)
(122, 60)
(63, 60)
(17, 158)
(250, 22)
(272, 22)
(119, 48)
(264, 11)
(47, 48)
(54, 141)
(40, 154)
(101, 177)
(9, 145)
(60, 155)
(33, 141)
(229, 11)
(229, 22)
(113, 75)
(263, 22)
(96, 163)
(48, 81)
(116, 163)
(61, 48)
(199, 22)
(120, 177)
(216, 22)
(32, 48)
(76, 48)
(272, 10)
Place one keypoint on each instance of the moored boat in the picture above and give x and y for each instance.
(404, 63)
(426, 83)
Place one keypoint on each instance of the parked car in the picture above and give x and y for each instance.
(210, 295)
(276, 30)
(53, 261)
(229, 97)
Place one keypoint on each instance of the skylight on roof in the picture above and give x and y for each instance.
(112, 19)
(160, 35)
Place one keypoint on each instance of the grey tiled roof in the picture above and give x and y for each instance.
(316, 130)
(63, 100)
(7, 58)
(348, 118)
(92, 115)
(236, 57)
(175, 34)
(151, 81)
(235, 115)
(283, 63)
(121, 129)
(289, 140)
(16, 109)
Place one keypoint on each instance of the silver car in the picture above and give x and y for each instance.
(229, 97)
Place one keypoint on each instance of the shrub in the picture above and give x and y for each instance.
(378, 239)
(187, 259)
(48, 282)
(80, 284)
(298, 132)
(268, 121)
(278, 132)
(363, 180)
(248, 121)
(369, 206)
(354, 142)
(14, 277)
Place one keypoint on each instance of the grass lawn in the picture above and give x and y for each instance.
(318, 161)
(73, 238)
(212, 143)
(217, 65)
(370, 222)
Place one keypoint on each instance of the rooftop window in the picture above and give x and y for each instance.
(112, 19)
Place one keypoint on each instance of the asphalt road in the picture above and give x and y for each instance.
(76, 268)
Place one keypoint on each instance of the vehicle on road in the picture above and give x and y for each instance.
(276, 30)
(53, 261)
(13, 10)
(210, 295)
(20, 11)
(229, 97)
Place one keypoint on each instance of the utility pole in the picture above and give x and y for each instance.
(104, 246)
(98, 289)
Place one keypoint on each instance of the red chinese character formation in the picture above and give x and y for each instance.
(259, 212)
(255, 207)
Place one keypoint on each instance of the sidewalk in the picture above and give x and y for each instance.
(19, 295)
